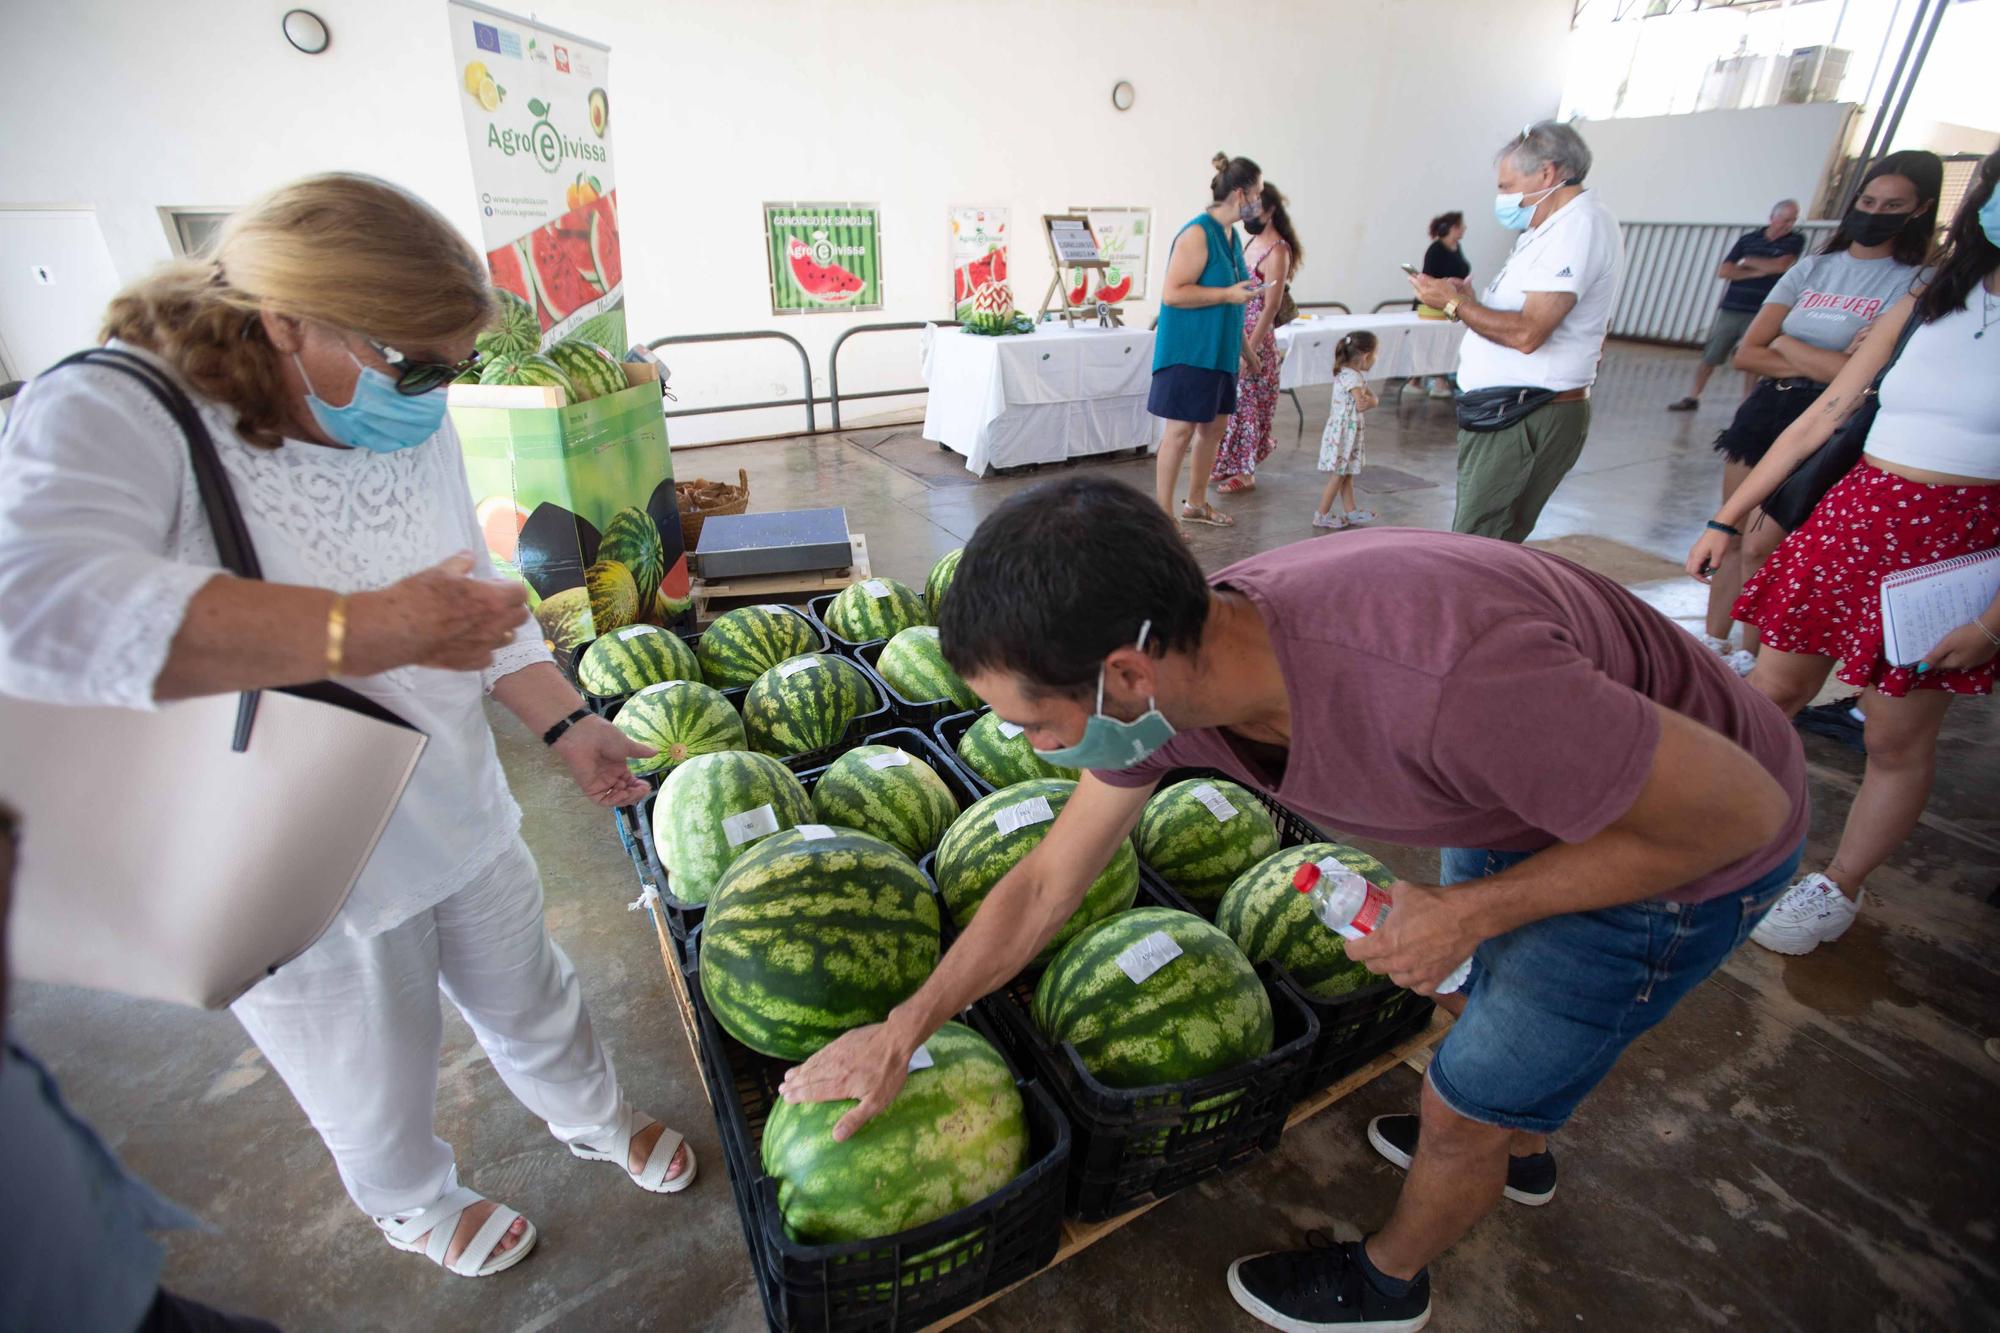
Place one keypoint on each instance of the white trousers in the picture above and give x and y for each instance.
(354, 1027)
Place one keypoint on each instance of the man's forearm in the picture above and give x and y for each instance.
(1509, 328)
(1016, 919)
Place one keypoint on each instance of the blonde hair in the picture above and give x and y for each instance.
(347, 250)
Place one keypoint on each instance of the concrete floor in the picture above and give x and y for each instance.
(1801, 1146)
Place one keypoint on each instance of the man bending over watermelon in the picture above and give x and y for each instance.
(1615, 810)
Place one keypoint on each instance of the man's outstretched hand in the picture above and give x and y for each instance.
(867, 1065)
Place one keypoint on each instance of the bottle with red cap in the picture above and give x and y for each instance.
(1348, 904)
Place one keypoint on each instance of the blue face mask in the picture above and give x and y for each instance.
(1511, 212)
(1989, 216)
(1109, 743)
(377, 418)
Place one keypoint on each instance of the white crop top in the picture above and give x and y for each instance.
(1940, 408)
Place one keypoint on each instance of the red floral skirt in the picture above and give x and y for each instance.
(1821, 590)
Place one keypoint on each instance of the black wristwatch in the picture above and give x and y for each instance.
(555, 733)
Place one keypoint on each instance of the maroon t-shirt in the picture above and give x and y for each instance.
(1451, 691)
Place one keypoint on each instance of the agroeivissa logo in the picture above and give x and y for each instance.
(550, 146)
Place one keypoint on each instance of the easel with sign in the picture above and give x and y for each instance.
(1073, 245)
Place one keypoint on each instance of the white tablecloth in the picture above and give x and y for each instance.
(1038, 397)
(1409, 346)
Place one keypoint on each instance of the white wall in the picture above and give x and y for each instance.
(1715, 166)
(1371, 114)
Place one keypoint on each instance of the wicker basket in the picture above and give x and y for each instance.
(698, 499)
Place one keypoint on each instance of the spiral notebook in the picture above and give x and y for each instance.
(1922, 605)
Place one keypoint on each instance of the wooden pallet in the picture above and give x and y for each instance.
(712, 599)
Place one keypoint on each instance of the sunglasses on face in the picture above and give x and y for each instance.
(415, 377)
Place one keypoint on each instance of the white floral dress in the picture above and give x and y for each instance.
(1340, 445)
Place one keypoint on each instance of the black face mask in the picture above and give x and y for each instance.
(1874, 228)
(1255, 226)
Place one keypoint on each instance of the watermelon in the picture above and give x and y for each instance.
(914, 665)
(566, 620)
(633, 540)
(614, 595)
(806, 704)
(604, 253)
(561, 288)
(1201, 1013)
(592, 370)
(827, 283)
(680, 719)
(715, 806)
(999, 752)
(956, 1133)
(1199, 835)
(508, 276)
(875, 609)
(895, 796)
(813, 932)
(628, 660)
(1269, 919)
(535, 369)
(942, 573)
(992, 308)
(975, 853)
(516, 333)
(745, 643)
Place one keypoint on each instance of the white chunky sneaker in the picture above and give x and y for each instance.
(1742, 661)
(1720, 647)
(1813, 912)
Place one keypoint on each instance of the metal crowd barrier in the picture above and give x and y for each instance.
(751, 335)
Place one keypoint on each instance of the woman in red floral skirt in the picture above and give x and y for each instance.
(1927, 489)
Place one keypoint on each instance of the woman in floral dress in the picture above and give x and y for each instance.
(1273, 255)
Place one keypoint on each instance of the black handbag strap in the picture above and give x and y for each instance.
(218, 499)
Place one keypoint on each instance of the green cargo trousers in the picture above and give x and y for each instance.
(1506, 476)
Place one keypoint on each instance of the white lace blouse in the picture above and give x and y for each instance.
(104, 540)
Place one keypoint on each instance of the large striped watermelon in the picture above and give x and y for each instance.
(1199, 835)
(633, 540)
(876, 608)
(914, 665)
(745, 643)
(806, 704)
(994, 833)
(680, 719)
(999, 752)
(942, 573)
(956, 1133)
(594, 371)
(515, 333)
(894, 795)
(715, 806)
(628, 660)
(1269, 919)
(1200, 1013)
(813, 932)
(533, 369)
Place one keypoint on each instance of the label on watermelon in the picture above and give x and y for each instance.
(634, 631)
(1023, 815)
(920, 1059)
(1010, 731)
(1148, 956)
(656, 688)
(875, 588)
(893, 759)
(786, 670)
(814, 832)
(1218, 804)
(758, 823)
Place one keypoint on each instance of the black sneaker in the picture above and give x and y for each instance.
(1323, 1287)
(1834, 720)
(1684, 405)
(1530, 1180)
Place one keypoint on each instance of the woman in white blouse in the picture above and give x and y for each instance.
(324, 306)
(1927, 490)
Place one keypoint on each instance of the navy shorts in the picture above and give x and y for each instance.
(1192, 393)
(1550, 1007)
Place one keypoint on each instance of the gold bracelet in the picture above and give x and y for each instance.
(336, 633)
(1451, 309)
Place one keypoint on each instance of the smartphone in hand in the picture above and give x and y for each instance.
(1410, 269)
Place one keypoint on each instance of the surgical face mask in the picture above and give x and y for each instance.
(1514, 213)
(1875, 228)
(1109, 743)
(1989, 216)
(1253, 210)
(377, 418)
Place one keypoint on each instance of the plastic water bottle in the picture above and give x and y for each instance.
(1348, 904)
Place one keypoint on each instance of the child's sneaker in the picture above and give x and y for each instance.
(1720, 647)
(1356, 517)
(1333, 522)
(1742, 661)
(1813, 912)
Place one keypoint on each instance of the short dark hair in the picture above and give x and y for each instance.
(1061, 576)
(1442, 224)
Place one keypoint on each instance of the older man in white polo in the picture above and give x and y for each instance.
(1533, 337)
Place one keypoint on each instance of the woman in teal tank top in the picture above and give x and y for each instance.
(1200, 338)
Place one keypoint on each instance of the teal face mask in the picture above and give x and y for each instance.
(377, 418)
(1989, 216)
(1512, 212)
(1109, 743)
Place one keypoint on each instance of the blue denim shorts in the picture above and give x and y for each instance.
(1550, 1007)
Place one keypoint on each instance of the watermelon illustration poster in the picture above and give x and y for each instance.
(538, 126)
(1125, 238)
(824, 257)
(978, 254)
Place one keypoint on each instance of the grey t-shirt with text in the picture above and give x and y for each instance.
(1833, 297)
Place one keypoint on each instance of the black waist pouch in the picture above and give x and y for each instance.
(1486, 410)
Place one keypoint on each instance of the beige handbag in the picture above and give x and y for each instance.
(186, 854)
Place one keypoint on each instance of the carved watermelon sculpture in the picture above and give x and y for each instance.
(827, 283)
(992, 308)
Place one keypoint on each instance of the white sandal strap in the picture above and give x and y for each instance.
(443, 1213)
(480, 1248)
(662, 1157)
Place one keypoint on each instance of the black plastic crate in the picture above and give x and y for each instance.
(607, 705)
(915, 713)
(904, 1281)
(949, 731)
(1135, 1145)
(818, 607)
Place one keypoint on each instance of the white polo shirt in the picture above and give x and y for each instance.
(1577, 249)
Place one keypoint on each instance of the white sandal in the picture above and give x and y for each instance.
(441, 1221)
(653, 1176)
